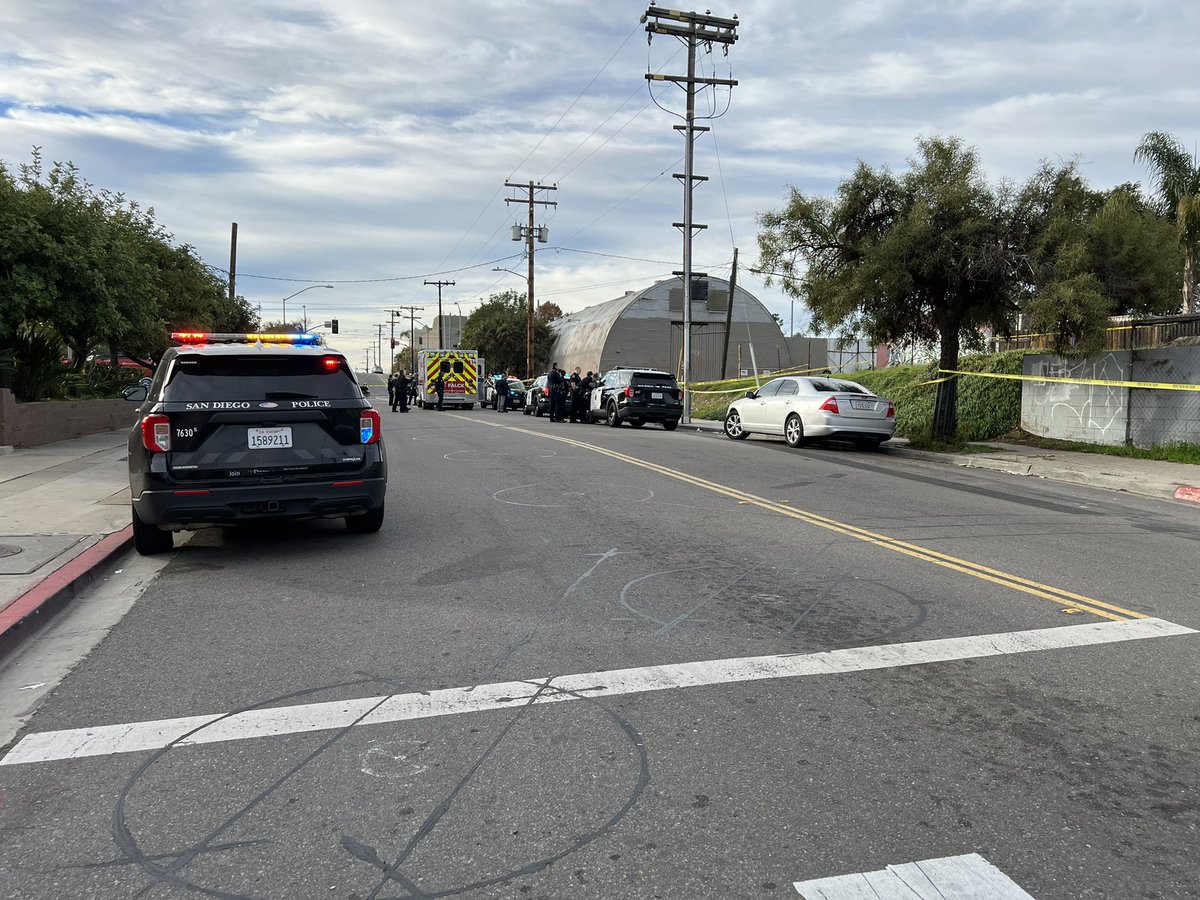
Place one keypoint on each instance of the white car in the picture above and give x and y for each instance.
(803, 408)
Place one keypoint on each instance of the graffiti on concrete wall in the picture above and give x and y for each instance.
(1091, 412)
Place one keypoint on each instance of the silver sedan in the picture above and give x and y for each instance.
(803, 408)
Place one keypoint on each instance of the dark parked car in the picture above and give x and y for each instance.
(637, 396)
(234, 429)
(516, 394)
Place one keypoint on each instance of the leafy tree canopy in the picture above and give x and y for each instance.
(925, 255)
(95, 269)
(498, 331)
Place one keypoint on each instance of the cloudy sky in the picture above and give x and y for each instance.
(365, 143)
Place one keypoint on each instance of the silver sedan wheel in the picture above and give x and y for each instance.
(793, 431)
(733, 426)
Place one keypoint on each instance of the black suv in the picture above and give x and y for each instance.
(242, 428)
(637, 396)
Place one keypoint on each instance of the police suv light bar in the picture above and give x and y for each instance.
(209, 337)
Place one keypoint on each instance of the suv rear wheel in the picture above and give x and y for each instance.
(367, 523)
(611, 417)
(149, 540)
(670, 424)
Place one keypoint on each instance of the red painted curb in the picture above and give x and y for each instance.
(1187, 492)
(65, 581)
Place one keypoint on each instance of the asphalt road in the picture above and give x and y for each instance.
(787, 665)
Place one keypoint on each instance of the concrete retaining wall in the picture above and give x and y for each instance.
(1103, 414)
(32, 424)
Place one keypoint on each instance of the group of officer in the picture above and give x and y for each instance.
(569, 394)
(402, 389)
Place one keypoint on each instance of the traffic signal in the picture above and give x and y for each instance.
(393, 343)
(333, 326)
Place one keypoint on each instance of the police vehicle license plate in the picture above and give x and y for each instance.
(259, 438)
(656, 395)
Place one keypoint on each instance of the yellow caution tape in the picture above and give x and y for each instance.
(1148, 385)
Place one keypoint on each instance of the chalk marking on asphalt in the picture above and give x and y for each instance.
(945, 560)
(105, 740)
(967, 877)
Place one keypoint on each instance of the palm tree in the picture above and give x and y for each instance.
(1178, 177)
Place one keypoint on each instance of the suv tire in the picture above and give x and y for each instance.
(366, 523)
(149, 540)
(610, 416)
(670, 424)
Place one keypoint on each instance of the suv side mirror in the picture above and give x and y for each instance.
(135, 393)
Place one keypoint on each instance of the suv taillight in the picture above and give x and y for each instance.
(156, 433)
(830, 405)
(629, 391)
(369, 426)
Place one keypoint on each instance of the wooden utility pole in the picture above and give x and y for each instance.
(729, 315)
(232, 262)
(529, 233)
(693, 29)
(441, 327)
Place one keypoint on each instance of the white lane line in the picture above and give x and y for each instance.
(969, 877)
(103, 740)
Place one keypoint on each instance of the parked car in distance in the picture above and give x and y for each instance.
(637, 396)
(516, 393)
(803, 408)
(537, 398)
(237, 429)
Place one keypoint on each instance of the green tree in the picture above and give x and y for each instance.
(926, 255)
(498, 331)
(1178, 185)
(1089, 255)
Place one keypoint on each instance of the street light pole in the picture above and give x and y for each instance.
(298, 293)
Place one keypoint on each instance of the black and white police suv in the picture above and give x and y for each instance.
(239, 428)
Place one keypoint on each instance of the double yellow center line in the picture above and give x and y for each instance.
(1072, 601)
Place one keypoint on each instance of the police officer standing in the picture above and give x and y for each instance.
(583, 401)
(400, 392)
(391, 384)
(573, 395)
(439, 388)
(557, 384)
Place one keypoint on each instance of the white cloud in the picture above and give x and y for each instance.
(366, 139)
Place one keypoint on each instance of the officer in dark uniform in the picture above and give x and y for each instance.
(576, 406)
(439, 388)
(391, 384)
(557, 385)
(400, 392)
(583, 402)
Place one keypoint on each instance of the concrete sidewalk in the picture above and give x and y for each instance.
(64, 508)
(64, 515)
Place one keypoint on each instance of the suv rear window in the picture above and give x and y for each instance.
(653, 379)
(259, 377)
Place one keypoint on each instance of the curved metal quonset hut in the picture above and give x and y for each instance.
(645, 328)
